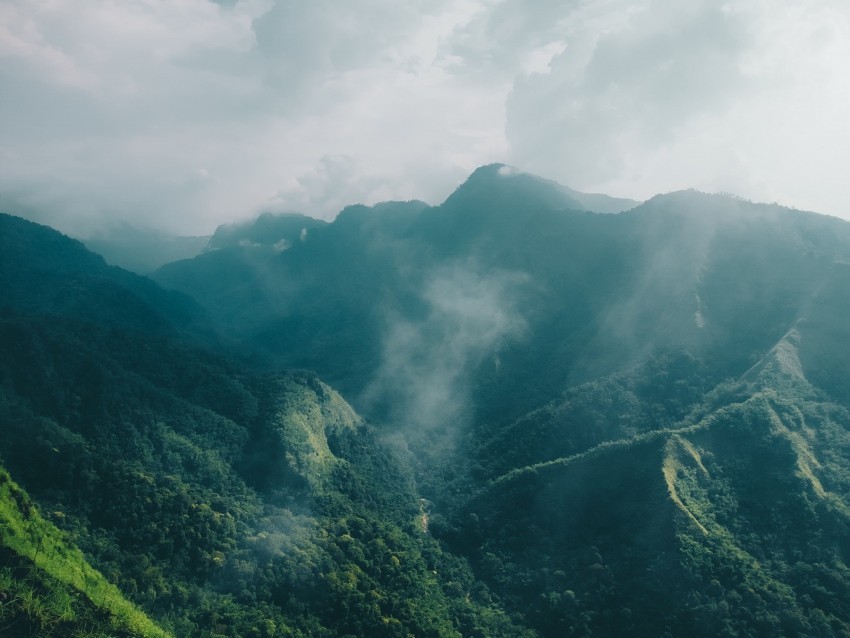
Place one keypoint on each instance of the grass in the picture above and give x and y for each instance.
(52, 582)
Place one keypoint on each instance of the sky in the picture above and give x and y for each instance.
(179, 115)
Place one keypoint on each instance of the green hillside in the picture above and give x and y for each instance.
(743, 505)
(524, 412)
(46, 585)
(224, 501)
(221, 502)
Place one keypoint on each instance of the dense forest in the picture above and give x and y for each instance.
(524, 412)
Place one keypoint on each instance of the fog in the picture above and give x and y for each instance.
(428, 363)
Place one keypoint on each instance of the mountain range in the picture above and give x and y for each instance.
(527, 411)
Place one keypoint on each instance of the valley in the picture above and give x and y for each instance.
(526, 411)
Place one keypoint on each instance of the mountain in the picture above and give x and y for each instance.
(577, 294)
(278, 232)
(523, 412)
(222, 500)
(44, 272)
(332, 275)
(369, 263)
(142, 251)
(579, 387)
(497, 186)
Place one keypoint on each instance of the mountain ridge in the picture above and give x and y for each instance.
(514, 418)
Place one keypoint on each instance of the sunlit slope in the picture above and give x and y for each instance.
(47, 585)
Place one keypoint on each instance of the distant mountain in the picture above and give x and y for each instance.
(142, 251)
(498, 186)
(588, 288)
(278, 232)
(331, 278)
(45, 272)
(366, 262)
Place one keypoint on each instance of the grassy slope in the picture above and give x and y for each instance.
(48, 587)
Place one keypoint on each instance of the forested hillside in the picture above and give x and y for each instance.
(572, 416)
(222, 500)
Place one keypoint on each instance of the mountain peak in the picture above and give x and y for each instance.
(268, 229)
(498, 186)
(501, 184)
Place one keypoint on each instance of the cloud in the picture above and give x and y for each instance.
(190, 114)
(428, 361)
(655, 96)
(185, 115)
(626, 83)
(108, 111)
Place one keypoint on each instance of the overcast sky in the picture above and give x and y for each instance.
(183, 114)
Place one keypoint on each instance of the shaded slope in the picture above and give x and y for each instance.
(825, 347)
(45, 272)
(319, 304)
(743, 505)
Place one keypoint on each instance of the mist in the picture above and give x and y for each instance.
(429, 363)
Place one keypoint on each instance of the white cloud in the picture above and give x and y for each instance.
(742, 97)
(187, 114)
(258, 94)
(470, 318)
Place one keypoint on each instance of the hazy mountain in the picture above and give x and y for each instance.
(498, 186)
(579, 294)
(142, 251)
(575, 416)
(278, 232)
(44, 272)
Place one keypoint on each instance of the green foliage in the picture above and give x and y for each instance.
(661, 449)
(740, 504)
(47, 586)
(222, 501)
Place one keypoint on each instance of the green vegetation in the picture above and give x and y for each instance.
(279, 512)
(564, 424)
(743, 504)
(47, 587)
